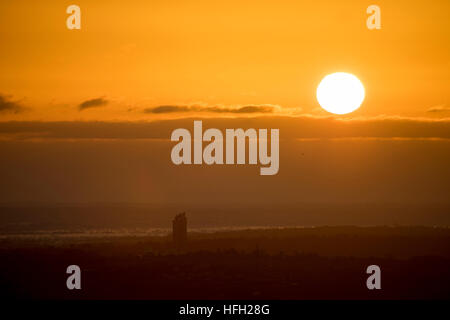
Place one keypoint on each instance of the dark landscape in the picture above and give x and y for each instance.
(276, 263)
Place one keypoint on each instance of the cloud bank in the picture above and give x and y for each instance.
(302, 127)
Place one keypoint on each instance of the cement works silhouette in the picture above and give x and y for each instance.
(179, 230)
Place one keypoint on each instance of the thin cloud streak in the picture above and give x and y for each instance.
(247, 109)
(93, 103)
(439, 109)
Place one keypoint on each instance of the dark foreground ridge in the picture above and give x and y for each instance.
(321, 263)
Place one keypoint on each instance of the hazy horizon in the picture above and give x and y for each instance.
(42, 218)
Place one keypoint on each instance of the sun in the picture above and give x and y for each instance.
(340, 93)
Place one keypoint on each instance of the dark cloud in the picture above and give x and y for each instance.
(98, 102)
(168, 109)
(214, 109)
(254, 109)
(7, 105)
(439, 109)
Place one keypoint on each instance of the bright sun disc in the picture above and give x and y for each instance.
(340, 93)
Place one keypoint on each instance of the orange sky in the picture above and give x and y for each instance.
(220, 53)
(241, 64)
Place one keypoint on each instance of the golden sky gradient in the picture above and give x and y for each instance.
(229, 54)
(84, 101)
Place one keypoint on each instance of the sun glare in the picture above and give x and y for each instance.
(340, 93)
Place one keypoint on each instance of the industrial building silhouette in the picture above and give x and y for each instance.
(179, 230)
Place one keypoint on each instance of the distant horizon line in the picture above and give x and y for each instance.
(225, 203)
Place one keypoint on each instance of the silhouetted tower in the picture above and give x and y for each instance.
(179, 230)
